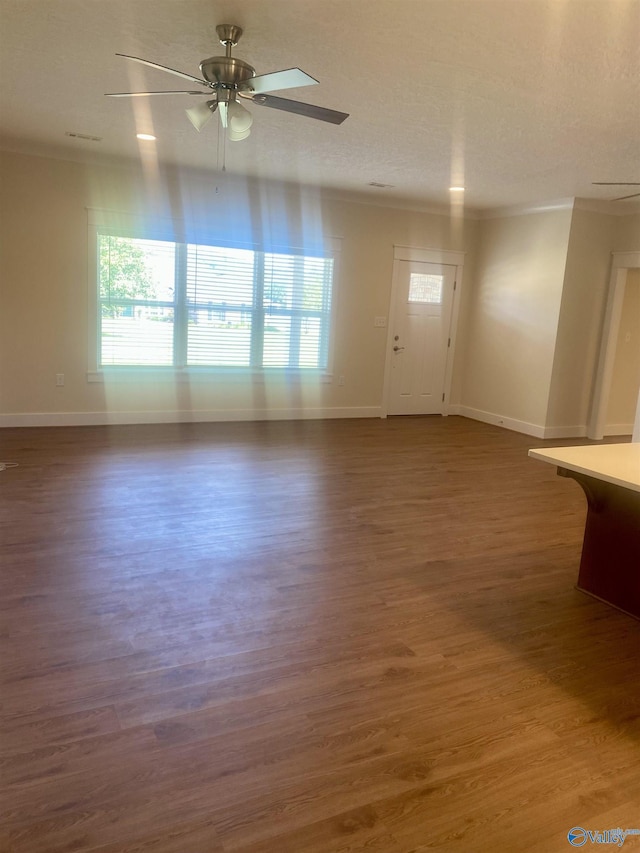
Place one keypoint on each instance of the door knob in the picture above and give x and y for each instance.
(397, 348)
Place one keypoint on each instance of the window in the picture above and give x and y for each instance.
(426, 288)
(183, 304)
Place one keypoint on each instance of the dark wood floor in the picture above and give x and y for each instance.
(305, 637)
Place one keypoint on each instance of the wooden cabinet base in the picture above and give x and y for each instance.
(610, 562)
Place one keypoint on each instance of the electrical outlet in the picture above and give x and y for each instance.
(341, 380)
(59, 379)
(380, 322)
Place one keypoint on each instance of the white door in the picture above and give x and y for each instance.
(419, 337)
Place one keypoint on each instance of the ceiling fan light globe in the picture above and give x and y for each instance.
(202, 114)
(240, 119)
(236, 136)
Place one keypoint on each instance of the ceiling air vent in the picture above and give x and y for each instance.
(379, 185)
(86, 136)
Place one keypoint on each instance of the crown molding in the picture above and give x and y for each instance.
(525, 210)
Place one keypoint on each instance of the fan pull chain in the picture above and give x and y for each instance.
(222, 147)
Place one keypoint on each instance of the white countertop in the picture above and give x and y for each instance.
(613, 463)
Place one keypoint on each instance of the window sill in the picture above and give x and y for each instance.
(206, 375)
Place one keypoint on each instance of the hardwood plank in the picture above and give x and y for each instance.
(351, 831)
(193, 837)
(60, 760)
(307, 637)
(53, 730)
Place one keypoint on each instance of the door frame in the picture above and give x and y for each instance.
(446, 257)
(621, 263)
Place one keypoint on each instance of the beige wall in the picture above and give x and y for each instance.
(583, 302)
(621, 407)
(530, 314)
(44, 309)
(513, 317)
(627, 234)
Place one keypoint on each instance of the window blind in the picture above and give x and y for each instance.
(220, 299)
(186, 304)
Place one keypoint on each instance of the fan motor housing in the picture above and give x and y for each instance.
(226, 71)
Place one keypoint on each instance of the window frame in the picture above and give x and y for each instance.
(131, 227)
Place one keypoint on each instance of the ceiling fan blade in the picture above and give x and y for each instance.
(616, 183)
(299, 108)
(291, 78)
(144, 94)
(623, 197)
(165, 68)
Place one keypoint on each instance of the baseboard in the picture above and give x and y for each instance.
(618, 429)
(566, 432)
(536, 430)
(498, 420)
(47, 419)
(54, 419)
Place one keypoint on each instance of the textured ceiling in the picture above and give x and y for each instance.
(523, 101)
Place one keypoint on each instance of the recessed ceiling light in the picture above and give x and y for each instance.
(379, 185)
(456, 189)
(148, 137)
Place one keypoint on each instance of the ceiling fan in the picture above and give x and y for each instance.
(619, 184)
(229, 80)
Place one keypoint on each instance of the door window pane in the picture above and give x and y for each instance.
(425, 288)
